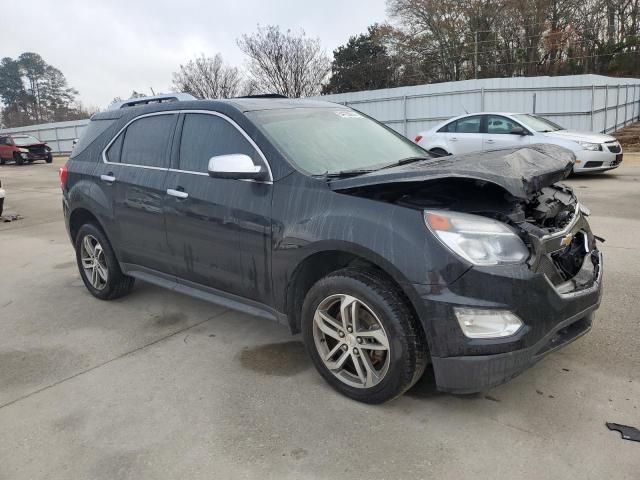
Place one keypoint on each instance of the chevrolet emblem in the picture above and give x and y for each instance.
(566, 241)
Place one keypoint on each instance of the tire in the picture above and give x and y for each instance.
(49, 158)
(378, 302)
(2, 161)
(440, 152)
(1, 205)
(18, 159)
(109, 282)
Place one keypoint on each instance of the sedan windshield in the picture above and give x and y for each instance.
(26, 140)
(321, 141)
(539, 124)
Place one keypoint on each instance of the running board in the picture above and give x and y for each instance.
(208, 294)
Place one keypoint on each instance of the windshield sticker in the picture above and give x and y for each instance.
(348, 114)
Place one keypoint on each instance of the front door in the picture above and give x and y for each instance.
(218, 230)
(499, 134)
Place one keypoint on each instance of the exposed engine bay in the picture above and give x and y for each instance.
(550, 222)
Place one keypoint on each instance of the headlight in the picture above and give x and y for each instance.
(478, 240)
(594, 147)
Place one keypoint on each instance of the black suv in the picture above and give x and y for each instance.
(386, 258)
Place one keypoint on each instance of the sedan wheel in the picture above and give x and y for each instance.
(351, 341)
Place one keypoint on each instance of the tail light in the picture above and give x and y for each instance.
(64, 174)
(418, 138)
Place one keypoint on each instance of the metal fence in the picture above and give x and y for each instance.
(581, 102)
(59, 136)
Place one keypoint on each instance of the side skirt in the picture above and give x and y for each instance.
(218, 297)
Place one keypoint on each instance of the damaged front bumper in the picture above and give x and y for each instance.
(553, 316)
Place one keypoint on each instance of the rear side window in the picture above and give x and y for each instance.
(448, 128)
(205, 136)
(91, 132)
(146, 141)
(114, 151)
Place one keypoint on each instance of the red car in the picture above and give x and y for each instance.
(23, 148)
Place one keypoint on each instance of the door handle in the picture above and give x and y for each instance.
(109, 178)
(491, 141)
(453, 139)
(177, 193)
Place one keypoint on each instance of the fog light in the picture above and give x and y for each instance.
(481, 323)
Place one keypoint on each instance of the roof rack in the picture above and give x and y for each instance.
(134, 102)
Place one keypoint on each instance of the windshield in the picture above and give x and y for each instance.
(330, 140)
(537, 123)
(27, 140)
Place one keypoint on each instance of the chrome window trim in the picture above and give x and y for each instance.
(177, 170)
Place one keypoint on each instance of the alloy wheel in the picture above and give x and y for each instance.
(94, 263)
(351, 341)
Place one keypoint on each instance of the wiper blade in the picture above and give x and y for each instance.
(405, 161)
(345, 173)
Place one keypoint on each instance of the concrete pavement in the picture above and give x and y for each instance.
(158, 385)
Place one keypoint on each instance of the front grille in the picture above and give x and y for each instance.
(547, 267)
(563, 257)
(614, 147)
(39, 150)
(592, 164)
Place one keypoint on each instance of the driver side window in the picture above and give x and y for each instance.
(205, 136)
(497, 125)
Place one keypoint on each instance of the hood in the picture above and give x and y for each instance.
(520, 171)
(32, 145)
(579, 136)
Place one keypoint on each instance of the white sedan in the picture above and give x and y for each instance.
(489, 131)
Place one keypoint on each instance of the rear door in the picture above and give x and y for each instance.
(499, 133)
(133, 175)
(218, 230)
(464, 135)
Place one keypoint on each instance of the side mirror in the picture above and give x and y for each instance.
(236, 166)
(517, 131)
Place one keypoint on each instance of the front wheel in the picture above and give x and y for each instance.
(362, 336)
(98, 265)
(49, 158)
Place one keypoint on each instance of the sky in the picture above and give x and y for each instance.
(112, 47)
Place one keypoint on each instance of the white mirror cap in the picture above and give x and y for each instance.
(233, 163)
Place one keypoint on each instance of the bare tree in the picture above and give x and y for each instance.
(208, 77)
(284, 62)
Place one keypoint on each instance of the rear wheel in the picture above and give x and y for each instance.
(440, 152)
(98, 265)
(18, 159)
(362, 337)
(1, 205)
